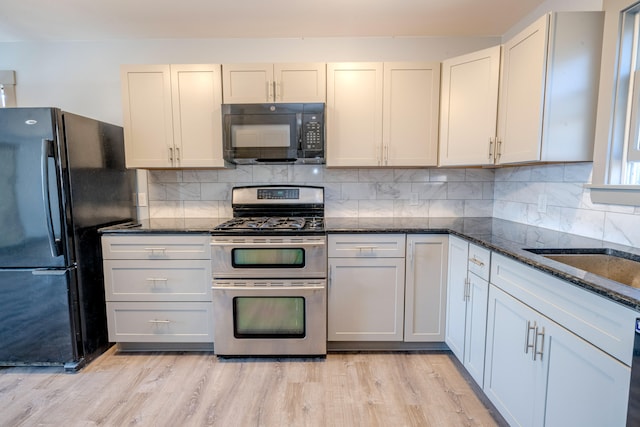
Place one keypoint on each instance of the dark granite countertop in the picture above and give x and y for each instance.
(504, 237)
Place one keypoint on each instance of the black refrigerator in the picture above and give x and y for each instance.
(62, 177)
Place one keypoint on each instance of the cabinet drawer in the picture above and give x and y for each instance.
(366, 245)
(143, 280)
(603, 323)
(479, 261)
(158, 247)
(160, 321)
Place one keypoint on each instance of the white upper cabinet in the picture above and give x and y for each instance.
(263, 83)
(410, 113)
(469, 108)
(382, 114)
(535, 104)
(172, 115)
(549, 89)
(354, 114)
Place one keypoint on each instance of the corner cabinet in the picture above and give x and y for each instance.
(263, 83)
(172, 116)
(386, 287)
(158, 291)
(467, 293)
(549, 90)
(556, 354)
(469, 108)
(382, 114)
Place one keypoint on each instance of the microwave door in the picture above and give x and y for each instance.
(270, 138)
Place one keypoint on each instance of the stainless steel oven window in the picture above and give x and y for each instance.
(268, 257)
(269, 317)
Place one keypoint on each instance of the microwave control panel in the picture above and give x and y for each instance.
(312, 136)
(313, 133)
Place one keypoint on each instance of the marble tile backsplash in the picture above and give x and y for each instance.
(555, 197)
(348, 192)
(549, 196)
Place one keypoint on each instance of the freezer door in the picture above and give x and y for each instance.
(36, 318)
(30, 212)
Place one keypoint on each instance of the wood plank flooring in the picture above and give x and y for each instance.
(198, 389)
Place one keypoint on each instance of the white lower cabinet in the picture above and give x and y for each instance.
(158, 289)
(376, 293)
(540, 369)
(467, 292)
(425, 287)
(366, 287)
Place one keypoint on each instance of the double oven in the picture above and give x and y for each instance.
(269, 273)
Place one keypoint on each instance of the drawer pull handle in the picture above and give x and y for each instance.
(156, 279)
(369, 248)
(153, 251)
(159, 321)
(476, 261)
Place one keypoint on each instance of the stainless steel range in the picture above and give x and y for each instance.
(269, 273)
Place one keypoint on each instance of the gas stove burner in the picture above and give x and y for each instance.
(275, 222)
(271, 223)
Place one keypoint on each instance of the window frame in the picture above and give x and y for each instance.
(617, 111)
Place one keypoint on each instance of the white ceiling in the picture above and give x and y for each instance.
(127, 19)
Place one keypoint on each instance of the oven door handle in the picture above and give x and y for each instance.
(271, 244)
(258, 288)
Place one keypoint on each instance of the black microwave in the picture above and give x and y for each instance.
(273, 133)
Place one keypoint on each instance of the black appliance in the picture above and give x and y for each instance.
(633, 408)
(62, 177)
(273, 133)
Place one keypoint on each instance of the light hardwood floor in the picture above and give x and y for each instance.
(198, 389)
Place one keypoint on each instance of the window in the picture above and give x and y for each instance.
(616, 171)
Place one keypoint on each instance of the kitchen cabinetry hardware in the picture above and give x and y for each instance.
(156, 251)
(491, 141)
(368, 248)
(476, 261)
(527, 346)
(160, 321)
(535, 344)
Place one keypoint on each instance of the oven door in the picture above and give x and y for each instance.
(270, 318)
(268, 257)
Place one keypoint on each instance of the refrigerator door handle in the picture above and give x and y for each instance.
(47, 152)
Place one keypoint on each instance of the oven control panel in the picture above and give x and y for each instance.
(278, 193)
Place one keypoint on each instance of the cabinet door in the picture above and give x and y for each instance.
(147, 115)
(469, 108)
(410, 113)
(511, 377)
(354, 114)
(456, 295)
(425, 288)
(247, 83)
(476, 327)
(586, 387)
(197, 124)
(365, 299)
(522, 95)
(304, 82)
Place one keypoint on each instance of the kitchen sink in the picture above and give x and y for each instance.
(612, 264)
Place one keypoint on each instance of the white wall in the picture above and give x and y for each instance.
(84, 77)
